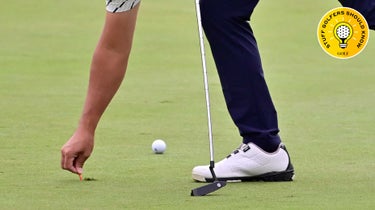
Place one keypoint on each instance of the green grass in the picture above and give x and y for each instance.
(325, 111)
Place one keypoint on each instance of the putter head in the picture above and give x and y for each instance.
(209, 188)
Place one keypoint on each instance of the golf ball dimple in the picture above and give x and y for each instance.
(159, 146)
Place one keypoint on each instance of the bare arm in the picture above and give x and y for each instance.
(107, 71)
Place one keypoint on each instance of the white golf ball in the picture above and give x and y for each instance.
(159, 146)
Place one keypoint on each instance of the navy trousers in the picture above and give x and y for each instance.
(365, 7)
(236, 55)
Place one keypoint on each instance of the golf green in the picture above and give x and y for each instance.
(325, 108)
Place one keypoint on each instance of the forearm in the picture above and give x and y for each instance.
(108, 67)
(106, 75)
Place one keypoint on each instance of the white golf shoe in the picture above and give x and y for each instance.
(249, 163)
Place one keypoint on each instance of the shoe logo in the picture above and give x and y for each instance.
(343, 32)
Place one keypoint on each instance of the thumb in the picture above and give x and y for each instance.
(78, 164)
(79, 170)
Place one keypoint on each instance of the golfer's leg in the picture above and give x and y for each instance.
(237, 58)
(365, 7)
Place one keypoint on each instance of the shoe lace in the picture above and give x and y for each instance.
(243, 147)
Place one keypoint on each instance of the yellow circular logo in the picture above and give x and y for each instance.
(343, 32)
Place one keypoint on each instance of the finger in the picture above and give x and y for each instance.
(79, 162)
(67, 162)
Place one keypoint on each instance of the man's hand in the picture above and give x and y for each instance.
(76, 151)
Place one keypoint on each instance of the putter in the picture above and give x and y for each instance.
(209, 188)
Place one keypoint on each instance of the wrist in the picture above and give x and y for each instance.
(87, 126)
